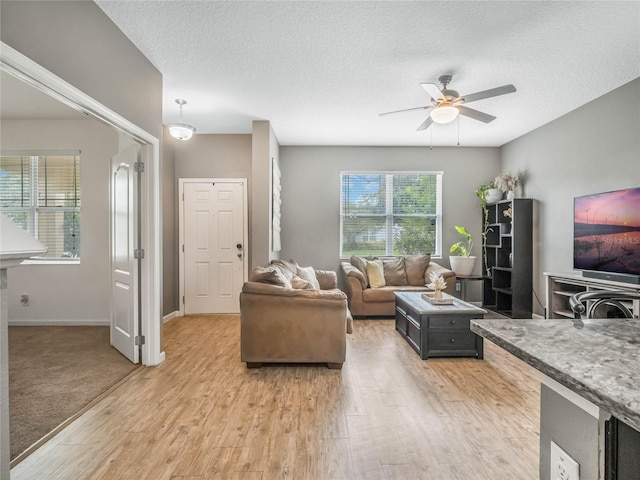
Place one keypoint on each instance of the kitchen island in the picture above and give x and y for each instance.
(592, 370)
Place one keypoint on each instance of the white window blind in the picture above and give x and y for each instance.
(41, 193)
(390, 213)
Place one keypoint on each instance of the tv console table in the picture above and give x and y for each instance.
(438, 330)
(561, 286)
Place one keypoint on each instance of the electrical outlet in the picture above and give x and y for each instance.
(563, 467)
(24, 300)
(457, 286)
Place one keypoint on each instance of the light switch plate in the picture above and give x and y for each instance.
(563, 467)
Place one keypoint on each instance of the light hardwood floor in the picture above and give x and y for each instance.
(387, 414)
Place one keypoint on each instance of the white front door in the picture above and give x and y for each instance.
(213, 239)
(124, 266)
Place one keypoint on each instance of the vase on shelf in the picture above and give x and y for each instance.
(511, 195)
(494, 195)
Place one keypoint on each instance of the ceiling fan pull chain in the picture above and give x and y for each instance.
(458, 130)
(431, 147)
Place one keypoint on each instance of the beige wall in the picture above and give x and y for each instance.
(69, 293)
(595, 148)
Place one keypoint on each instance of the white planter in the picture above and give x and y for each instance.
(494, 195)
(463, 266)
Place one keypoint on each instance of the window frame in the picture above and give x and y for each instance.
(389, 206)
(32, 211)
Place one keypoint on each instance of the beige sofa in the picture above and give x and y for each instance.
(288, 317)
(408, 273)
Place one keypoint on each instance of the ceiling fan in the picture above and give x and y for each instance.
(447, 104)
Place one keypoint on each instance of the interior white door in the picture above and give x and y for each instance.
(124, 266)
(213, 246)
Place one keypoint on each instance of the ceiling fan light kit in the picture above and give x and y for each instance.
(447, 104)
(181, 131)
(444, 114)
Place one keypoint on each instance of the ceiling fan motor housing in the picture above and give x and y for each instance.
(450, 94)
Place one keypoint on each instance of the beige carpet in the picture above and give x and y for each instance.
(53, 373)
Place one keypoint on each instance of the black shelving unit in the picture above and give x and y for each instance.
(508, 256)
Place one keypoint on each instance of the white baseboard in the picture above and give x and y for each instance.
(170, 316)
(58, 323)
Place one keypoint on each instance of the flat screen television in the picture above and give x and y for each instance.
(606, 235)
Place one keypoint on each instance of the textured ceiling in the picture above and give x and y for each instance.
(321, 71)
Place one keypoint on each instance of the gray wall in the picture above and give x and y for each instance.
(595, 148)
(572, 429)
(70, 293)
(264, 148)
(170, 290)
(311, 193)
(80, 44)
(210, 156)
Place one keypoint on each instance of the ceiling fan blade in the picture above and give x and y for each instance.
(404, 110)
(492, 92)
(433, 91)
(424, 125)
(475, 114)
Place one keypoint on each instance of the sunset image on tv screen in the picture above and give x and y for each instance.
(607, 232)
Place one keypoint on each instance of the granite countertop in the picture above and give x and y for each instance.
(600, 361)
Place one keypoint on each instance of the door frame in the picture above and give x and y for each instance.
(245, 239)
(150, 300)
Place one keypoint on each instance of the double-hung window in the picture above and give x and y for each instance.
(41, 193)
(390, 213)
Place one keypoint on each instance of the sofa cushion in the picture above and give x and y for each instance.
(351, 271)
(300, 284)
(361, 264)
(271, 274)
(394, 273)
(415, 266)
(375, 272)
(308, 274)
(386, 294)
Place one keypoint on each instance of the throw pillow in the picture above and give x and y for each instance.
(270, 274)
(415, 266)
(375, 271)
(308, 274)
(284, 268)
(290, 265)
(394, 271)
(300, 284)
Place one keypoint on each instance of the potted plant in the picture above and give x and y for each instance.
(507, 183)
(489, 192)
(463, 262)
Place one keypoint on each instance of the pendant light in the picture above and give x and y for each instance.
(181, 131)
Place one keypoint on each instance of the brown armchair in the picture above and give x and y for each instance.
(281, 324)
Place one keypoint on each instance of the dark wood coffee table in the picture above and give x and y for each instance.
(438, 330)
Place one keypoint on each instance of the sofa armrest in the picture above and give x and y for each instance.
(349, 271)
(270, 289)
(448, 275)
(327, 279)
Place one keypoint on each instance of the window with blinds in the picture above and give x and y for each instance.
(390, 213)
(41, 193)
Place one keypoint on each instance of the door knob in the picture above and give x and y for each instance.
(239, 255)
(239, 246)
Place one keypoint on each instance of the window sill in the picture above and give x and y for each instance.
(52, 261)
